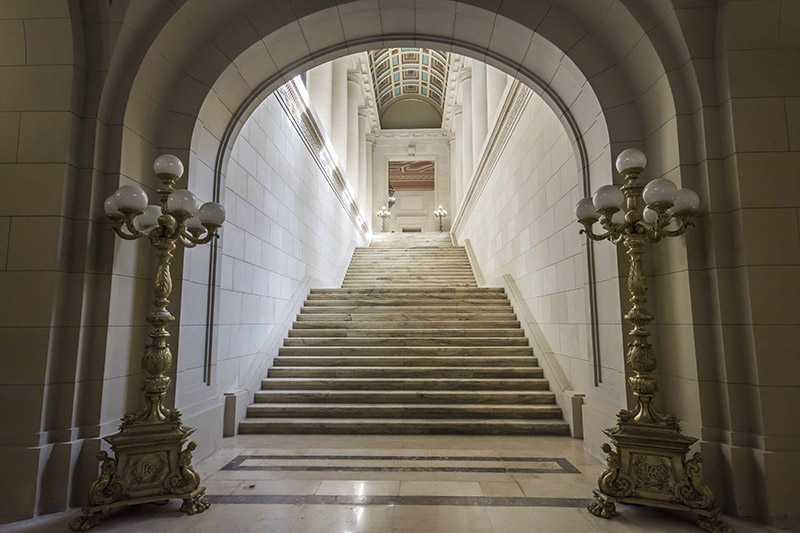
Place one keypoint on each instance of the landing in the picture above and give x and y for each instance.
(408, 484)
(411, 240)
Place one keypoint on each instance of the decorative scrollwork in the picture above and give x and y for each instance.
(613, 481)
(107, 487)
(186, 479)
(692, 491)
(602, 509)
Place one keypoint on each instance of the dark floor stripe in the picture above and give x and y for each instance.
(475, 469)
(565, 467)
(461, 501)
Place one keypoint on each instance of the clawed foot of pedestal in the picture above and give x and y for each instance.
(714, 525)
(602, 509)
(86, 521)
(195, 505)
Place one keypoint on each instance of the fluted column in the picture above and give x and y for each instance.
(479, 110)
(495, 85)
(466, 129)
(338, 132)
(353, 88)
(456, 160)
(319, 82)
(363, 126)
(369, 206)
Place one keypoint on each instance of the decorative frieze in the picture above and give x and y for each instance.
(291, 100)
(510, 113)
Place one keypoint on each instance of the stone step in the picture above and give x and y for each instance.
(404, 426)
(421, 332)
(417, 384)
(389, 290)
(406, 341)
(404, 372)
(402, 351)
(373, 309)
(397, 283)
(350, 410)
(386, 314)
(390, 361)
(406, 396)
(329, 300)
(423, 275)
(407, 324)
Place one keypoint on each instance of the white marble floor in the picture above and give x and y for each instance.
(425, 484)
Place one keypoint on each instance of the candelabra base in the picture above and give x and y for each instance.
(150, 465)
(649, 467)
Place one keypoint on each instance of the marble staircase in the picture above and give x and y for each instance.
(408, 345)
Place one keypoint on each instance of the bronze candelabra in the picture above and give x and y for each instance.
(383, 214)
(151, 463)
(649, 465)
(440, 213)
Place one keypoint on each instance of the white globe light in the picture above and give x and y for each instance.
(585, 210)
(130, 198)
(631, 158)
(148, 220)
(686, 200)
(110, 207)
(182, 202)
(650, 215)
(661, 191)
(194, 224)
(608, 197)
(618, 218)
(168, 164)
(211, 214)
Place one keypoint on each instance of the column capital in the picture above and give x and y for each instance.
(353, 76)
(457, 109)
(464, 75)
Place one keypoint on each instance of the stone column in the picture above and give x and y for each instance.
(319, 82)
(479, 110)
(363, 126)
(495, 85)
(456, 161)
(369, 208)
(338, 131)
(466, 130)
(353, 89)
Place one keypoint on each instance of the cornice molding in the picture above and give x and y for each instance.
(304, 121)
(456, 64)
(362, 66)
(516, 100)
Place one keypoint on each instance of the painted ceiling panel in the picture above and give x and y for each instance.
(403, 73)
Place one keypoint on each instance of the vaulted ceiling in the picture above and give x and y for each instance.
(410, 86)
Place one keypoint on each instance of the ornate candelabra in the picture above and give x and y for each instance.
(151, 463)
(440, 213)
(649, 466)
(383, 214)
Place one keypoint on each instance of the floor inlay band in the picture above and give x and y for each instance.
(468, 501)
(565, 467)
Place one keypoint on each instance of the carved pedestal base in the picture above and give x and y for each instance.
(649, 467)
(150, 465)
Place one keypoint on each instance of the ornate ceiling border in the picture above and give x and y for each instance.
(516, 100)
(304, 121)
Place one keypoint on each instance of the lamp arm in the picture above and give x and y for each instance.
(120, 224)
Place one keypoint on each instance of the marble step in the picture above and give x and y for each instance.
(407, 324)
(417, 384)
(419, 315)
(422, 275)
(405, 371)
(402, 351)
(373, 309)
(406, 341)
(404, 426)
(363, 284)
(389, 290)
(406, 396)
(391, 361)
(331, 300)
(349, 410)
(420, 332)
